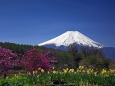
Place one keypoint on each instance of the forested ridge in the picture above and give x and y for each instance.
(72, 58)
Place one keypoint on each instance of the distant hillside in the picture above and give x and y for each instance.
(17, 48)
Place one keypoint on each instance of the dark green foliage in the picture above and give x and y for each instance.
(89, 57)
(73, 50)
(17, 48)
(94, 58)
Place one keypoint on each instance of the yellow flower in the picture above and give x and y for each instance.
(95, 73)
(71, 70)
(35, 72)
(112, 71)
(54, 72)
(53, 67)
(81, 67)
(15, 75)
(103, 71)
(42, 70)
(48, 72)
(78, 70)
(90, 71)
(39, 68)
(83, 71)
(65, 70)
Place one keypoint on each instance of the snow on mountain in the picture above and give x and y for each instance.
(72, 37)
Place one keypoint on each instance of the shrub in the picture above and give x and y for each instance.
(33, 60)
(7, 58)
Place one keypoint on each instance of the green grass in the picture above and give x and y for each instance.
(70, 77)
(73, 79)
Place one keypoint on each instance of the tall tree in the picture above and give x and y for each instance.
(73, 50)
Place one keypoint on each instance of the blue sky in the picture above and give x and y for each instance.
(36, 21)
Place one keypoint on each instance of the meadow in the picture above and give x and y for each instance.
(36, 67)
(64, 77)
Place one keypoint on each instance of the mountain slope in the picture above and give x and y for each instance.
(71, 37)
(74, 37)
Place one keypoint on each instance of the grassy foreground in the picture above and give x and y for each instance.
(79, 77)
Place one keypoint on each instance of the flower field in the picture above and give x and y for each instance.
(37, 68)
(67, 77)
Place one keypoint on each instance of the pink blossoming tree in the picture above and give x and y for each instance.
(33, 60)
(6, 61)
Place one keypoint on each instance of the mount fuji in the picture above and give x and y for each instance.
(71, 37)
(62, 42)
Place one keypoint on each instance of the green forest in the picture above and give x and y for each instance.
(72, 58)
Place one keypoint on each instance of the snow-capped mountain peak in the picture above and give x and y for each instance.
(72, 37)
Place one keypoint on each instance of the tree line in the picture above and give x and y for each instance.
(72, 58)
